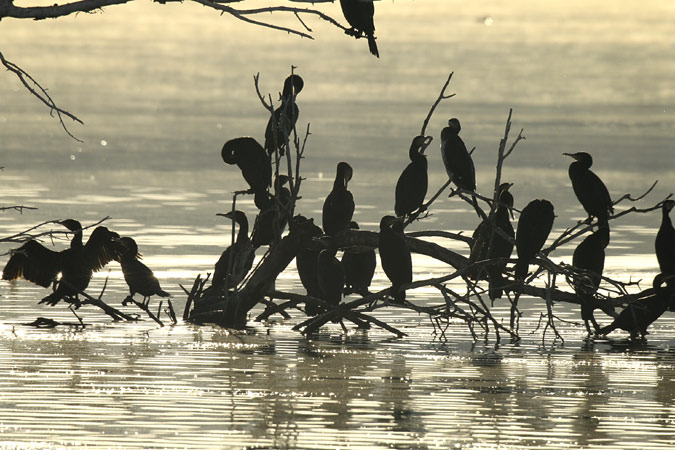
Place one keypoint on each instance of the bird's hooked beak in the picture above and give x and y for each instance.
(571, 155)
(349, 172)
(421, 143)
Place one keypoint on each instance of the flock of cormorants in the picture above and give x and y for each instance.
(329, 279)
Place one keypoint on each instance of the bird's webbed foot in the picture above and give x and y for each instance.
(50, 300)
(73, 301)
(353, 32)
(127, 300)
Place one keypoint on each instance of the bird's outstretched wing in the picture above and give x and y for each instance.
(34, 262)
(100, 249)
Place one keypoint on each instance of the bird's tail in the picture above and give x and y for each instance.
(372, 45)
(162, 293)
(399, 295)
(496, 282)
(521, 269)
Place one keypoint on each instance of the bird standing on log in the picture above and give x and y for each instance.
(254, 164)
(236, 261)
(395, 255)
(456, 158)
(489, 244)
(534, 225)
(41, 266)
(359, 14)
(589, 259)
(338, 208)
(359, 265)
(640, 314)
(411, 187)
(589, 188)
(330, 274)
(272, 219)
(282, 122)
(138, 276)
(306, 262)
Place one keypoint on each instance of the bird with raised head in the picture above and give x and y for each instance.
(272, 219)
(306, 264)
(40, 265)
(139, 277)
(281, 123)
(338, 208)
(589, 188)
(330, 274)
(359, 14)
(395, 255)
(488, 244)
(589, 260)
(664, 243)
(236, 261)
(456, 158)
(534, 226)
(411, 187)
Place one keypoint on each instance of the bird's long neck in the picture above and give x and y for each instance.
(76, 242)
(665, 221)
(243, 231)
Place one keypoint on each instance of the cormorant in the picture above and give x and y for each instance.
(488, 244)
(339, 205)
(284, 116)
(236, 261)
(138, 276)
(413, 182)
(359, 14)
(40, 265)
(456, 158)
(359, 265)
(330, 275)
(665, 243)
(589, 258)
(306, 263)
(534, 225)
(272, 219)
(395, 255)
(589, 189)
(254, 163)
(638, 315)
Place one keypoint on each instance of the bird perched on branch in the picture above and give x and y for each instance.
(534, 225)
(359, 14)
(272, 219)
(589, 188)
(254, 164)
(330, 274)
(138, 276)
(40, 265)
(282, 122)
(359, 265)
(665, 244)
(411, 187)
(395, 255)
(306, 262)
(489, 244)
(589, 259)
(638, 315)
(236, 261)
(456, 158)
(338, 208)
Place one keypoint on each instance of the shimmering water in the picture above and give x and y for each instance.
(160, 88)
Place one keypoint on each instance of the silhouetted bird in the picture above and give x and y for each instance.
(338, 207)
(589, 189)
(534, 225)
(38, 264)
(359, 265)
(306, 262)
(665, 243)
(330, 275)
(488, 244)
(395, 255)
(285, 116)
(456, 158)
(236, 261)
(589, 258)
(272, 219)
(138, 276)
(638, 315)
(413, 182)
(254, 163)
(359, 14)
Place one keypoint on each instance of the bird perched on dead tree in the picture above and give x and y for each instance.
(359, 14)
(138, 276)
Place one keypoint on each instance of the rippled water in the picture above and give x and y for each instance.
(160, 89)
